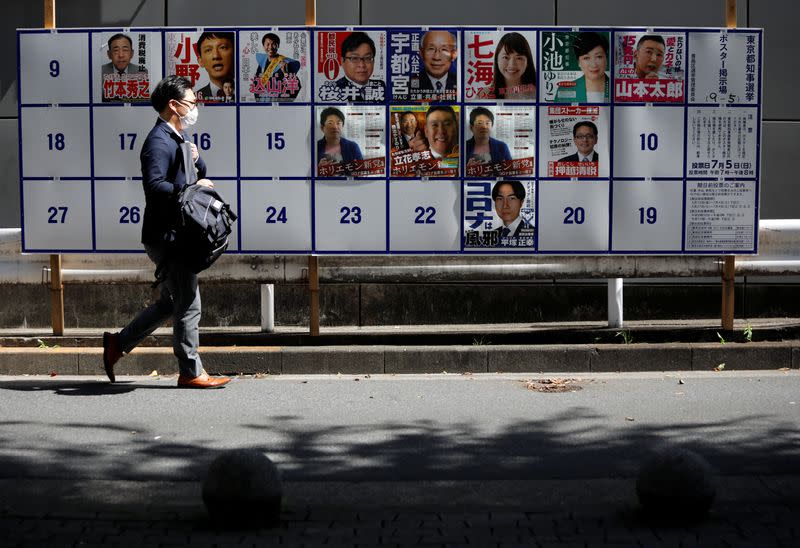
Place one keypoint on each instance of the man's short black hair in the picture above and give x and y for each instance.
(209, 35)
(117, 37)
(478, 112)
(407, 113)
(584, 123)
(443, 108)
(272, 36)
(652, 38)
(356, 39)
(516, 188)
(330, 111)
(171, 87)
(587, 41)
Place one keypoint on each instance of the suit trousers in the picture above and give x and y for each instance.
(179, 300)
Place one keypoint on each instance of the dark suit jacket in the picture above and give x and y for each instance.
(426, 84)
(350, 150)
(163, 176)
(517, 232)
(574, 157)
(497, 149)
(205, 93)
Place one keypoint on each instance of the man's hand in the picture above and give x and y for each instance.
(418, 143)
(195, 154)
(205, 182)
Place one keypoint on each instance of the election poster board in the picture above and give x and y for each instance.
(405, 140)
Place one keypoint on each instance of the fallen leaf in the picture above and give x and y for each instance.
(157, 438)
(680, 381)
(356, 379)
(631, 419)
(720, 367)
(153, 373)
(367, 376)
(53, 373)
(783, 369)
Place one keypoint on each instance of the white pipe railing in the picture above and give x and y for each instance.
(779, 254)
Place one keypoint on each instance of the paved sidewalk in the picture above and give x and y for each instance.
(406, 460)
(547, 513)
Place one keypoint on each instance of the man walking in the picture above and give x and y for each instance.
(169, 162)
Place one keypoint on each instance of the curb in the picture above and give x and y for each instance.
(377, 359)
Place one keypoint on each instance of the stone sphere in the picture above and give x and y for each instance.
(243, 488)
(676, 484)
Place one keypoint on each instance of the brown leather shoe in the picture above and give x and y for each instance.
(200, 382)
(111, 353)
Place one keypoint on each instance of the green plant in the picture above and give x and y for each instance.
(748, 333)
(627, 338)
(43, 344)
(721, 338)
(480, 342)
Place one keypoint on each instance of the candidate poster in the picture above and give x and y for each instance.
(208, 60)
(350, 141)
(350, 66)
(424, 141)
(575, 142)
(650, 67)
(424, 65)
(499, 214)
(575, 67)
(500, 141)
(274, 66)
(499, 65)
(123, 64)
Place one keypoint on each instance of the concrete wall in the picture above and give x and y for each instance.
(781, 111)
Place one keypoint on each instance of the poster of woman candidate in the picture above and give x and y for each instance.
(123, 63)
(350, 141)
(499, 141)
(350, 66)
(424, 141)
(208, 60)
(274, 66)
(575, 67)
(499, 214)
(499, 65)
(650, 68)
(424, 65)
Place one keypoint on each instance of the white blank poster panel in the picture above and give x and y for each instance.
(276, 141)
(119, 133)
(215, 137)
(55, 142)
(648, 216)
(276, 215)
(648, 141)
(58, 215)
(54, 68)
(573, 216)
(350, 215)
(118, 213)
(424, 215)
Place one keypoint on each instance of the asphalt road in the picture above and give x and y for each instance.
(405, 427)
